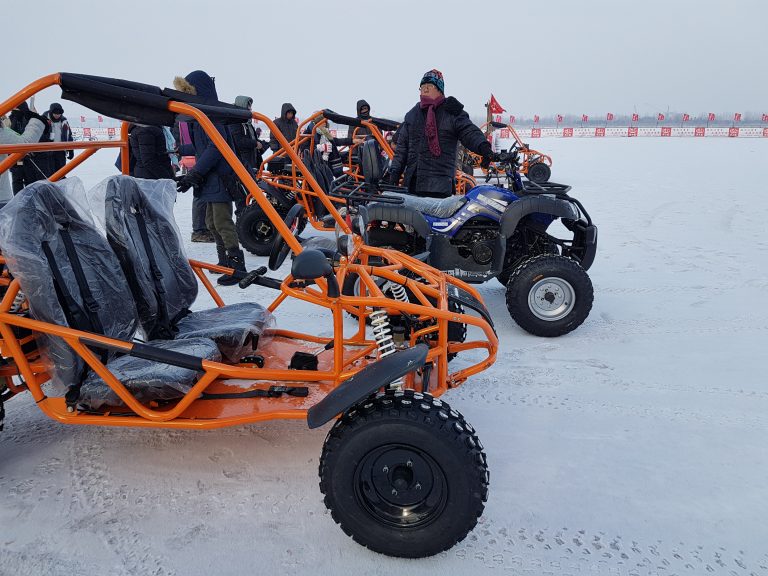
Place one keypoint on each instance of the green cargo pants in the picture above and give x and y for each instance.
(218, 219)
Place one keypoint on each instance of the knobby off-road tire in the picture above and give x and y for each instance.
(539, 172)
(549, 295)
(255, 231)
(404, 475)
(516, 254)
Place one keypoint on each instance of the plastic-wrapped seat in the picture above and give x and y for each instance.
(138, 219)
(71, 277)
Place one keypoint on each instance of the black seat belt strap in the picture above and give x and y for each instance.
(166, 327)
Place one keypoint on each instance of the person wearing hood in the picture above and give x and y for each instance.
(60, 132)
(33, 128)
(246, 146)
(287, 124)
(214, 177)
(18, 122)
(427, 141)
(149, 148)
(360, 133)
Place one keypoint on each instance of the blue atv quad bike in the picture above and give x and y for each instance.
(502, 231)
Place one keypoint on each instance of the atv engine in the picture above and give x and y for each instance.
(476, 240)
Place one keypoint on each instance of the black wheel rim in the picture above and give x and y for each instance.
(262, 231)
(401, 486)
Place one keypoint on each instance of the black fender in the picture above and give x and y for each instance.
(365, 383)
(401, 214)
(532, 205)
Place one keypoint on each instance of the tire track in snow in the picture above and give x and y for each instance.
(100, 510)
(568, 552)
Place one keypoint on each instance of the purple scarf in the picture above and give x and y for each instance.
(430, 128)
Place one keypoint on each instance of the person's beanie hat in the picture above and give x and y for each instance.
(434, 77)
(56, 108)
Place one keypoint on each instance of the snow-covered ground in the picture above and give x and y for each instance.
(635, 445)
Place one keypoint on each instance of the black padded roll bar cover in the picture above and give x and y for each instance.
(384, 124)
(171, 357)
(340, 118)
(365, 383)
(121, 99)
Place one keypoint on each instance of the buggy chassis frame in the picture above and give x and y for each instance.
(24, 370)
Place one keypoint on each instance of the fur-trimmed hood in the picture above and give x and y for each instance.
(197, 83)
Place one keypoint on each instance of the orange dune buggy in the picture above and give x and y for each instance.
(286, 187)
(401, 472)
(534, 165)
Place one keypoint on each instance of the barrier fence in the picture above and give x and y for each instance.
(111, 133)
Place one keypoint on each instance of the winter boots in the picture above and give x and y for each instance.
(236, 260)
(221, 252)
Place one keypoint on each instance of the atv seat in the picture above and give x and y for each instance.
(71, 277)
(437, 207)
(140, 228)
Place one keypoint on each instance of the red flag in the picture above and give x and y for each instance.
(737, 117)
(765, 117)
(584, 118)
(535, 118)
(686, 117)
(82, 119)
(711, 117)
(609, 116)
(100, 119)
(494, 106)
(661, 117)
(559, 118)
(635, 117)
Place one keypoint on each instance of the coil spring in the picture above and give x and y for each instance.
(382, 334)
(18, 301)
(398, 291)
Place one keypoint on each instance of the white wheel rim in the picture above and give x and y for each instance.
(551, 299)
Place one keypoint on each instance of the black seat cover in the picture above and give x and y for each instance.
(128, 201)
(35, 216)
(127, 210)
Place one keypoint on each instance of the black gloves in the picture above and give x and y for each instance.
(70, 154)
(191, 179)
(488, 155)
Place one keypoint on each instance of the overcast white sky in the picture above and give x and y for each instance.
(543, 57)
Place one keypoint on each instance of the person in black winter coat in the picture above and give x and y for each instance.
(427, 140)
(18, 118)
(60, 132)
(150, 152)
(364, 113)
(36, 165)
(214, 177)
(287, 125)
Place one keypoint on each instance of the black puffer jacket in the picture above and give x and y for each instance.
(426, 175)
(359, 131)
(149, 148)
(287, 127)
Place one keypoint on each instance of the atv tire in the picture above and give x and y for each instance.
(549, 295)
(256, 232)
(404, 475)
(539, 172)
(515, 256)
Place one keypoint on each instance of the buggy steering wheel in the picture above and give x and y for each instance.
(280, 248)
